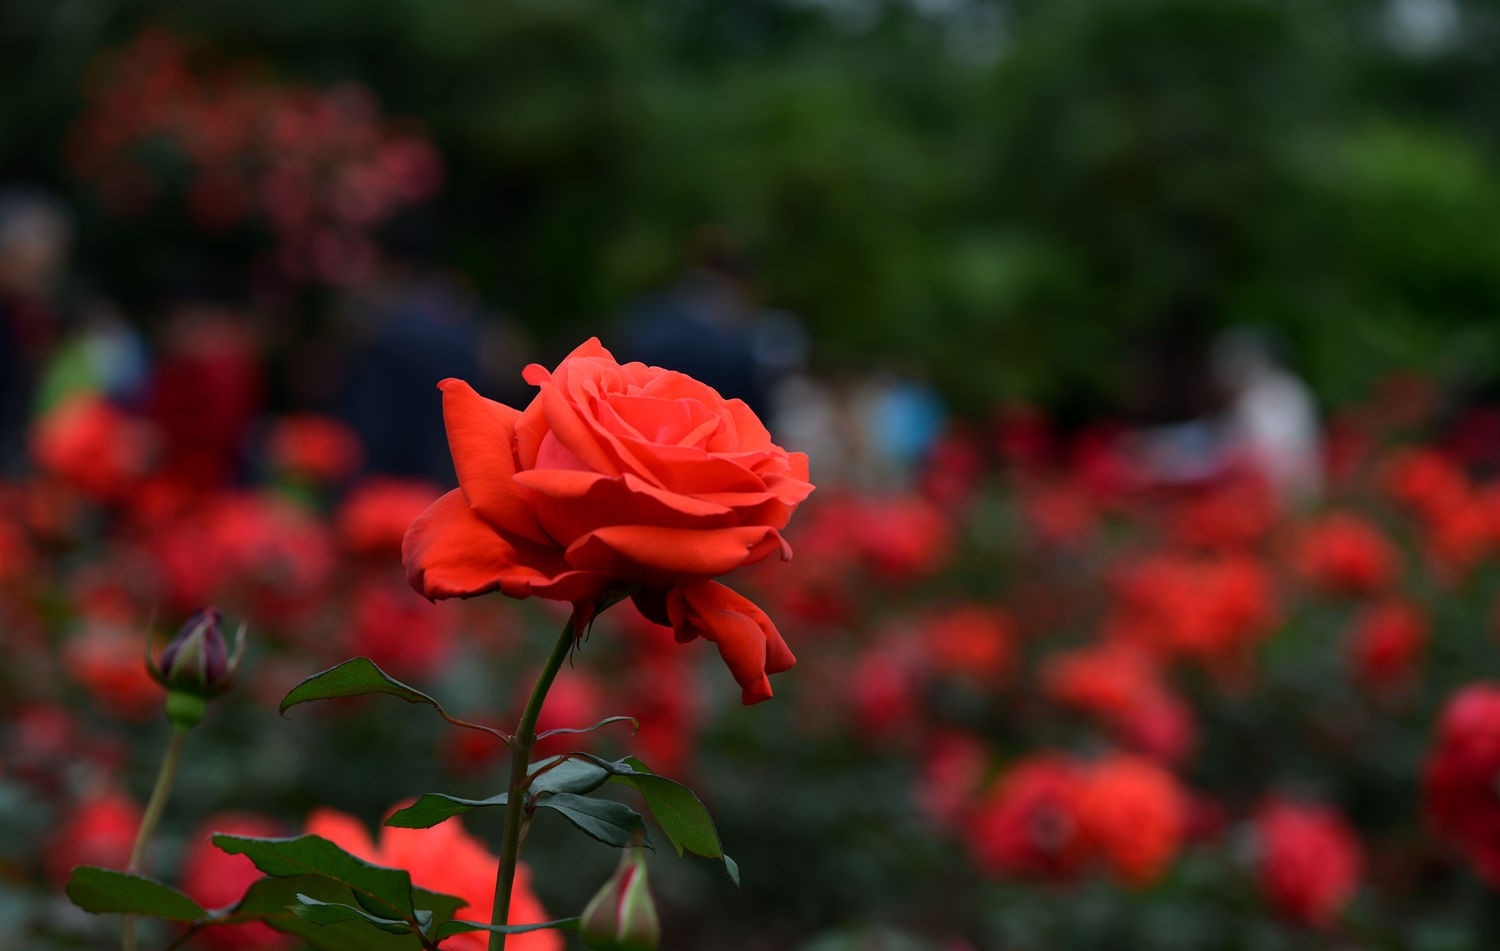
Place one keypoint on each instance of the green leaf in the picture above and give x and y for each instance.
(458, 926)
(433, 808)
(271, 900)
(612, 823)
(104, 891)
(331, 913)
(390, 888)
(353, 678)
(554, 775)
(569, 775)
(676, 808)
(733, 868)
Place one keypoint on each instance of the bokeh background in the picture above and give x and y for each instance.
(1146, 353)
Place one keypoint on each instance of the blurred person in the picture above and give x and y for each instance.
(35, 243)
(104, 355)
(205, 392)
(710, 325)
(411, 326)
(1271, 421)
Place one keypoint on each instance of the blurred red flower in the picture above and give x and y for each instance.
(93, 446)
(216, 879)
(1134, 814)
(402, 635)
(1208, 609)
(904, 537)
(1386, 644)
(1342, 553)
(1424, 480)
(1120, 686)
(109, 661)
(448, 860)
(615, 476)
(312, 448)
(1308, 862)
(374, 515)
(1028, 823)
(972, 641)
(1458, 787)
(99, 831)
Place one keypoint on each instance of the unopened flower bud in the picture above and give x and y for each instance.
(622, 917)
(196, 666)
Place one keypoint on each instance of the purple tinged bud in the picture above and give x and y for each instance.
(198, 660)
(622, 916)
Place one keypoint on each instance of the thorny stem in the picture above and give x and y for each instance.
(525, 735)
(154, 809)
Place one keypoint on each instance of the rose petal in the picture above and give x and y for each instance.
(536, 374)
(345, 831)
(748, 642)
(450, 552)
(573, 431)
(481, 436)
(570, 504)
(654, 554)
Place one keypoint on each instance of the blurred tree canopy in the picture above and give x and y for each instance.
(1009, 195)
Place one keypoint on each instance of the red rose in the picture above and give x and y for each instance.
(99, 831)
(1027, 824)
(1308, 863)
(1342, 553)
(1458, 788)
(615, 477)
(1386, 643)
(1134, 815)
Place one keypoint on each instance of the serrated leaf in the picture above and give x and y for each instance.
(310, 854)
(109, 891)
(331, 913)
(352, 678)
(612, 823)
(432, 808)
(458, 926)
(569, 775)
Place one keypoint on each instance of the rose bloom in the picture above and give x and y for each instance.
(1386, 644)
(373, 517)
(448, 860)
(970, 640)
(615, 478)
(1027, 825)
(1308, 863)
(318, 449)
(217, 879)
(99, 831)
(107, 660)
(1133, 814)
(1458, 784)
(1342, 553)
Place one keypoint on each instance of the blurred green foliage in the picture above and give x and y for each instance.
(1005, 194)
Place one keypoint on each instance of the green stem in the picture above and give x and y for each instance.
(510, 842)
(154, 809)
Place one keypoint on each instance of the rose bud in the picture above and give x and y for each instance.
(622, 917)
(196, 666)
